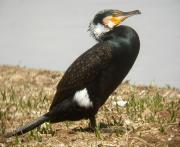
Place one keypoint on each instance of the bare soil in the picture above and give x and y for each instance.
(151, 116)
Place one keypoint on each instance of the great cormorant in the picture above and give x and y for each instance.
(95, 74)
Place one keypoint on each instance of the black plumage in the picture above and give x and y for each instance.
(99, 70)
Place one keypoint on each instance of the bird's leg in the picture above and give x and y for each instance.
(92, 123)
(94, 127)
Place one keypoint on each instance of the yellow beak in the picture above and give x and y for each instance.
(120, 16)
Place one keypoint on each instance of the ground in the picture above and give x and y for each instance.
(134, 115)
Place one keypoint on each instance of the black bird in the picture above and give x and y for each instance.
(95, 74)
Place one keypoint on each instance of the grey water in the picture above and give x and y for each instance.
(50, 34)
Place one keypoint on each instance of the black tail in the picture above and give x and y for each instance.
(28, 127)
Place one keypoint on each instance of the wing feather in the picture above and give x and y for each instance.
(83, 71)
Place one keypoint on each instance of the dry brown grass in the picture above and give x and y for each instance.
(150, 118)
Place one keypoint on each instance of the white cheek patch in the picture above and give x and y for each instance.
(99, 29)
(82, 98)
(110, 24)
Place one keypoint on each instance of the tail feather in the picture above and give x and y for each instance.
(28, 127)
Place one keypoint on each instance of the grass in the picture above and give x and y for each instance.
(151, 116)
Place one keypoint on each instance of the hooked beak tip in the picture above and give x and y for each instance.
(132, 13)
(138, 12)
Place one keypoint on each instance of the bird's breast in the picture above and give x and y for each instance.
(108, 80)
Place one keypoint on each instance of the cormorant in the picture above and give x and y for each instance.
(94, 75)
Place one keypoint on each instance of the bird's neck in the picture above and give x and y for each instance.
(121, 31)
(114, 33)
(122, 35)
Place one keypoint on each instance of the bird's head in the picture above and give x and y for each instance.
(105, 20)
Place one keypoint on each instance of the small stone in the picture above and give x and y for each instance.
(121, 103)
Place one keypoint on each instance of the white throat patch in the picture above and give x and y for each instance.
(82, 98)
(98, 30)
(110, 24)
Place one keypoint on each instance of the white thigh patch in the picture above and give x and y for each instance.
(82, 98)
